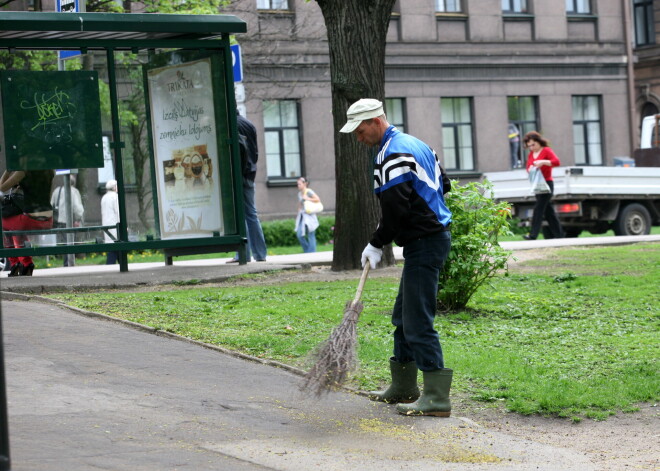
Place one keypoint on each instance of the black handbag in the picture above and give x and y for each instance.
(12, 204)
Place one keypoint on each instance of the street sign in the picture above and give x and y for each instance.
(68, 6)
(236, 62)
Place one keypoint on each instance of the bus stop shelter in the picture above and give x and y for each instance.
(185, 69)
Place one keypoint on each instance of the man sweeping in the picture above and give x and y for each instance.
(409, 183)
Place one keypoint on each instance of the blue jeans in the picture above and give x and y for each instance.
(308, 242)
(415, 338)
(112, 257)
(255, 235)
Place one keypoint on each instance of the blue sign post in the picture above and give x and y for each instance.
(236, 62)
(68, 6)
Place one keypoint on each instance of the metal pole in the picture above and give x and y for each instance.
(5, 461)
(68, 208)
(119, 167)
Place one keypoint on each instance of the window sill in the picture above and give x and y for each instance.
(442, 16)
(276, 12)
(517, 17)
(458, 174)
(577, 17)
(281, 182)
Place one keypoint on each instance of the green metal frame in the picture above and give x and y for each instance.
(112, 32)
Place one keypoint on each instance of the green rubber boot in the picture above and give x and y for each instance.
(404, 384)
(435, 397)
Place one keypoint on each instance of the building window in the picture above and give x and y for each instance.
(272, 4)
(644, 22)
(514, 6)
(587, 136)
(523, 117)
(457, 146)
(448, 6)
(578, 7)
(282, 137)
(395, 110)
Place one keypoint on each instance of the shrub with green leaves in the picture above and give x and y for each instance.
(475, 256)
(280, 233)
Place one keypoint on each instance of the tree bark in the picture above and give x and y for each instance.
(357, 30)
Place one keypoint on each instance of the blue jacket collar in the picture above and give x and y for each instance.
(391, 131)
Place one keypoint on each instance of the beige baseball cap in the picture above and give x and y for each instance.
(365, 108)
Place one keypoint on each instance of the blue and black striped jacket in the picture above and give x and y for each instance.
(410, 183)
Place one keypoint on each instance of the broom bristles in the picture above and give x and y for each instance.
(335, 358)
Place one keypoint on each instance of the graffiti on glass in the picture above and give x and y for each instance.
(53, 112)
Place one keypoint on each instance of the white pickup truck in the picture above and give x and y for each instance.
(595, 199)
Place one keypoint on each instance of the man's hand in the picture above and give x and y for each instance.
(372, 254)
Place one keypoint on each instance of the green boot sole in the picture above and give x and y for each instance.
(404, 387)
(434, 400)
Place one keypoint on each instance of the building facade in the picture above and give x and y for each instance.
(463, 75)
(466, 76)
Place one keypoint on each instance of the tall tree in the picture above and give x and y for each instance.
(357, 30)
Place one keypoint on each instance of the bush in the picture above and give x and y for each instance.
(516, 228)
(280, 233)
(475, 256)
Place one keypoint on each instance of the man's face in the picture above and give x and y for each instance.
(368, 132)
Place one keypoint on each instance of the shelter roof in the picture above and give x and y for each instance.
(25, 29)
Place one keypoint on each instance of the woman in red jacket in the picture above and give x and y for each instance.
(542, 157)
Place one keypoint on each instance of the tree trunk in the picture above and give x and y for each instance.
(356, 35)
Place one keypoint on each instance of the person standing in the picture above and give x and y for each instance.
(306, 223)
(110, 217)
(249, 156)
(410, 185)
(514, 146)
(542, 157)
(32, 211)
(59, 202)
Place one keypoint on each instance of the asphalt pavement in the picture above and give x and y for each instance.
(86, 392)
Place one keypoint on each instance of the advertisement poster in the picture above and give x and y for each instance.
(186, 153)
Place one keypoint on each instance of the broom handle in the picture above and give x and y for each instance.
(363, 279)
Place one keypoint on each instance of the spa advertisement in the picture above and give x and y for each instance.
(185, 145)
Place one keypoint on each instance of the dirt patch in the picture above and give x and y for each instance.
(625, 441)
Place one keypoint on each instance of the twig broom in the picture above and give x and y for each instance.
(336, 357)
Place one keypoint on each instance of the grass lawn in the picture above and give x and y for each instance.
(149, 256)
(575, 336)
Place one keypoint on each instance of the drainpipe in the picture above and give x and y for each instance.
(632, 118)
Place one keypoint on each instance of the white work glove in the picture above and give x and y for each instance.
(373, 254)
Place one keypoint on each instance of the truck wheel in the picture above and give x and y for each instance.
(633, 219)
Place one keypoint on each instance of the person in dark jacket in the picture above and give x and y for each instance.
(410, 185)
(249, 155)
